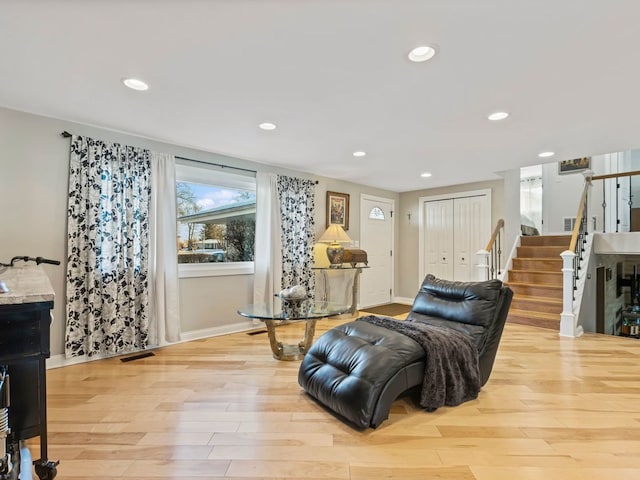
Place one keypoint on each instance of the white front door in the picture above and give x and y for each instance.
(376, 238)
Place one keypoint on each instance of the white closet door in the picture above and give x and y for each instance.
(438, 230)
(461, 238)
(470, 234)
(452, 230)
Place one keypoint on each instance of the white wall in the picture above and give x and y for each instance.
(34, 163)
(560, 197)
(511, 210)
(33, 190)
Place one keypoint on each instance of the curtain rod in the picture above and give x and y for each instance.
(66, 134)
(215, 164)
(227, 166)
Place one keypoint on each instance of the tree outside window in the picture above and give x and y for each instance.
(215, 223)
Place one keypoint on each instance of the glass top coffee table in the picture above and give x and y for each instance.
(307, 310)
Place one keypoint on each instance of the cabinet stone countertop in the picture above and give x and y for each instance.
(26, 284)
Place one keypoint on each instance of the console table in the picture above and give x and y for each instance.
(25, 317)
(308, 310)
(357, 270)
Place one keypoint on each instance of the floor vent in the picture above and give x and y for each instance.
(256, 332)
(138, 356)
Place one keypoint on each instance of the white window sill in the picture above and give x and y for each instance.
(192, 270)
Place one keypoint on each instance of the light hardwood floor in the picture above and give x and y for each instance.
(554, 409)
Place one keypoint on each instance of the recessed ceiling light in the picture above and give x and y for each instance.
(422, 53)
(267, 126)
(495, 116)
(359, 153)
(135, 84)
(546, 154)
(425, 175)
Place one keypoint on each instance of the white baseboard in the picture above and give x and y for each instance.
(217, 331)
(57, 361)
(403, 300)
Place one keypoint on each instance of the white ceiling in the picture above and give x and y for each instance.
(334, 76)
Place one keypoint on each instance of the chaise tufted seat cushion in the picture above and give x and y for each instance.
(350, 361)
(358, 369)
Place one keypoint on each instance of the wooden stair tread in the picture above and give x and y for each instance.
(545, 240)
(539, 252)
(539, 323)
(545, 247)
(526, 270)
(539, 264)
(557, 259)
(536, 285)
(552, 236)
(532, 298)
(535, 315)
(557, 263)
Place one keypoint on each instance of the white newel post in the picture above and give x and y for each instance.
(483, 265)
(568, 326)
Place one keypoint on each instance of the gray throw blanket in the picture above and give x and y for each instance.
(452, 372)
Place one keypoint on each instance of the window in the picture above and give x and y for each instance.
(376, 213)
(216, 221)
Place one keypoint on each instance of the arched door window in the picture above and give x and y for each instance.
(376, 213)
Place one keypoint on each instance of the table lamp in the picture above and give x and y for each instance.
(334, 236)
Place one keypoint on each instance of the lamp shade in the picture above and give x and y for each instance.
(334, 234)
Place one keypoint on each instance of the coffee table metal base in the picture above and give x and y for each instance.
(290, 352)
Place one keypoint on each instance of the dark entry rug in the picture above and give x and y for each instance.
(391, 309)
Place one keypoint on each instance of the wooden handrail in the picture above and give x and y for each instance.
(576, 227)
(615, 175)
(499, 225)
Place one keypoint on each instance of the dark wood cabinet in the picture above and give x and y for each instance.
(25, 319)
(24, 347)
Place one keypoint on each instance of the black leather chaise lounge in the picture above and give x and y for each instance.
(358, 369)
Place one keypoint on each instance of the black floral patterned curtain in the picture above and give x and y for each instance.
(297, 210)
(108, 248)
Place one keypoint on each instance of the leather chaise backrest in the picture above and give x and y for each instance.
(465, 302)
(478, 309)
(494, 334)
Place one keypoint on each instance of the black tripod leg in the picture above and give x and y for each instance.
(46, 470)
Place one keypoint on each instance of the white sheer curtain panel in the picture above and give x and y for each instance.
(267, 278)
(164, 326)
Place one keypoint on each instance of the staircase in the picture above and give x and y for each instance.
(536, 281)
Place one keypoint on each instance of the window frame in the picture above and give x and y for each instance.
(203, 174)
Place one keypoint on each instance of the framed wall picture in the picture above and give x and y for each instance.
(575, 165)
(338, 209)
